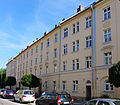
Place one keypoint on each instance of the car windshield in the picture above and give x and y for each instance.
(28, 92)
(116, 102)
(65, 97)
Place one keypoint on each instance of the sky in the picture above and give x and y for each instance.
(22, 21)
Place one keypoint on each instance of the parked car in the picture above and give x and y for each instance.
(55, 99)
(8, 94)
(1, 92)
(24, 96)
(103, 102)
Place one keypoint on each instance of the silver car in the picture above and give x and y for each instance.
(103, 102)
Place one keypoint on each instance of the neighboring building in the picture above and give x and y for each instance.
(75, 56)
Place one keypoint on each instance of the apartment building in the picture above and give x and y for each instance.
(75, 56)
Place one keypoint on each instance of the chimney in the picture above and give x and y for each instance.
(37, 38)
(63, 19)
(45, 33)
(56, 25)
(80, 8)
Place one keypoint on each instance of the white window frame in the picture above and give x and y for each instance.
(107, 13)
(75, 86)
(73, 64)
(48, 42)
(63, 85)
(73, 28)
(88, 41)
(77, 45)
(77, 64)
(55, 68)
(64, 65)
(56, 38)
(107, 35)
(109, 86)
(88, 22)
(65, 32)
(65, 49)
(73, 48)
(108, 57)
(47, 57)
(54, 85)
(88, 61)
(78, 27)
(41, 59)
(46, 69)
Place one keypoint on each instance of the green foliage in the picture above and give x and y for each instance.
(29, 80)
(114, 75)
(104, 96)
(10, 81)
(2, 77)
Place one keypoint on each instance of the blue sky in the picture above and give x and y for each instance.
(22, 21)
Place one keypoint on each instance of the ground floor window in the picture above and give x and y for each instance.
(75, 85)
(108, 86)
(63, 85)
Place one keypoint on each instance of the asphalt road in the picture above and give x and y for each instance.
(11, 102)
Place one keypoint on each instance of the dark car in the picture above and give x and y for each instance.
(55, 99)
(8, 94)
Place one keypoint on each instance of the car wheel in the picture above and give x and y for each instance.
(20, 100)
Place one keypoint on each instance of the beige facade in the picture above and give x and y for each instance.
(75, 56)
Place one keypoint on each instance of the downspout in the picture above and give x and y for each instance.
(59, 58)
(95, 51)
(92, 50)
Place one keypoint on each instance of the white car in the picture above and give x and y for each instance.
(24, 96)
(103, 102)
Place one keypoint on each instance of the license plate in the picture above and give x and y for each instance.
(66, 102)
(11, 94)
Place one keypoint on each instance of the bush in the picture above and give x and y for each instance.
(104, 96)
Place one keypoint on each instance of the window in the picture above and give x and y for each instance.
(46, 85)
(65, 49)
(31, 63)
(31, 52)
(77, 26)
(73, 64)
(46, 69)
(55, 53)
(108, 86)
(107, 35)
(40, 71)
(41, 59)
(106, 13)
(41, 46)
(65, 32)
(63, 85)
(56, 38)
(73, 46)
(73, 28)
(108, 58)
(23, 65)
(54, 85)
(27, 54)
(36, 49)
(47, 57)
(35, 72)
(88, 62)
(55, 68)
(36, 61)
(88, 22)
(24, 57)
(75, 85)
(77, 45)
(48, 42)
(88, 42)
(64, 65)
(77, 64)
(26, 64)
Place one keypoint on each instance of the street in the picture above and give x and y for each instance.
(11, 102)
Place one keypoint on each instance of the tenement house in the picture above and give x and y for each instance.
(75, 56)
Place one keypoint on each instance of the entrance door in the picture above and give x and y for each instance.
(88, 92)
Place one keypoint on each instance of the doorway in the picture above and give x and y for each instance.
(88, 92)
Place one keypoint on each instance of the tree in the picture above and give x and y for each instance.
(10, 81)
(29, 80)
(114, 75)
(2, 77)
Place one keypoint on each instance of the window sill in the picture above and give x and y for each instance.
(75, 33)
(88, 47)
(88, 27)
(108, 91)
(74, 91)
(64, 54)
(75, 51)
(106, 19)
(107, 42)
